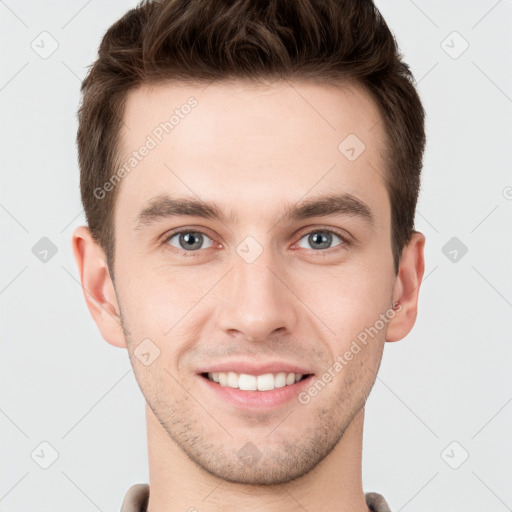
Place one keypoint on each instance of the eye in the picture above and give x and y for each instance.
(189, 240)
(321, 239)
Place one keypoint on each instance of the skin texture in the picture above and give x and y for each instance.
(255, 149)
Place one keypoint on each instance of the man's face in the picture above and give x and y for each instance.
(255, 292)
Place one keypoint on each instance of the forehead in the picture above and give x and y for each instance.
(250, 144)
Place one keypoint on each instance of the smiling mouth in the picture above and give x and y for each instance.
(246, 382)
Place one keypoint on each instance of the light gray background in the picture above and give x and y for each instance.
(448, 381)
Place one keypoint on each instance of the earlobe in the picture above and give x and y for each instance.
(407, 287)
(97, 286)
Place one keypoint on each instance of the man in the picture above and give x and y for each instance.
(250, 172)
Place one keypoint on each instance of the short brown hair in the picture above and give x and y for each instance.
(323, 41)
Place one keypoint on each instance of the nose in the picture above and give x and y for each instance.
(258, 299)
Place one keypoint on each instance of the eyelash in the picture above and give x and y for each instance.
(321, 252)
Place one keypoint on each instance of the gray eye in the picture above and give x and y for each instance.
(189, 240)
(320, 239)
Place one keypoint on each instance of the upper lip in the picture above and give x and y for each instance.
(255, 368)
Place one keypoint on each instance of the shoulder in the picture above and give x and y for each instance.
(376, 502)
(136, 498)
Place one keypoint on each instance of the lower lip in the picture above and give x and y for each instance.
(259, 400)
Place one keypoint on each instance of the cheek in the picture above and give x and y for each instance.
(346, 299)
(157, 297)
(165, 306)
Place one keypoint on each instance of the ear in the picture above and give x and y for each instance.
(407, 287)
(97, 286)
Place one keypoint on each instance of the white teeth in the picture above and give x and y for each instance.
(265, 382)
(280, 380)
(245, 382)
(233, 379)
(223, 379)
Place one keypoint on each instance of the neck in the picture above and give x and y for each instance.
(178, 484)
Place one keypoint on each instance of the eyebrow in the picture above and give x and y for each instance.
(164, 207)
